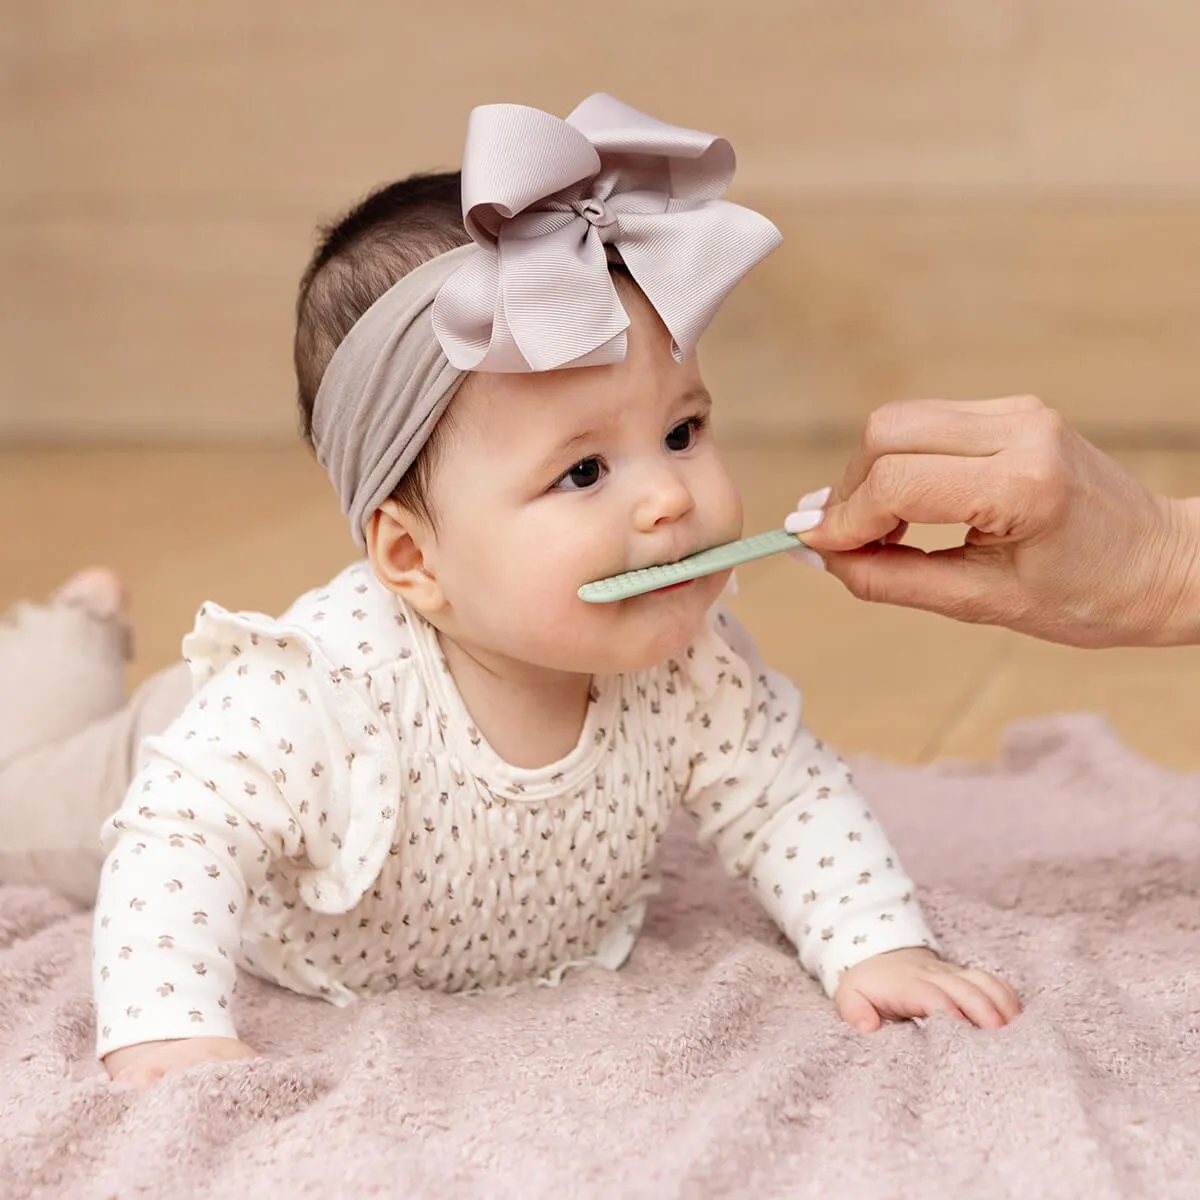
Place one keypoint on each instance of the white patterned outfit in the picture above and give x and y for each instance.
(325, 815)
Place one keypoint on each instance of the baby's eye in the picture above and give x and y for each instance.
(684, 434)
(586, 473)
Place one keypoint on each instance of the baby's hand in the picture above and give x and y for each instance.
(916, 983)
(142, 1064)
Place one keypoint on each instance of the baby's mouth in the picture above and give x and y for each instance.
(663, 576)
(667, 575)
(670, 562)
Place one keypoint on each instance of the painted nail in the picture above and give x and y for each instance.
(803, 521)
(814, 500)
(731, 587)
(810, 558)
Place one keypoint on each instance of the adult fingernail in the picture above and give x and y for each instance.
(814, 499)
(810, 558)
(803, 521)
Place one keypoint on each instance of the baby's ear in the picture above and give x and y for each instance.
(397, 546)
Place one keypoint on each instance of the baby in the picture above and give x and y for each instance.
(443, 768)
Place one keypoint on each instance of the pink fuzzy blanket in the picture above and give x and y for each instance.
(710, 1065)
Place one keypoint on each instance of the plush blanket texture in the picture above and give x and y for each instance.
(710, 1065)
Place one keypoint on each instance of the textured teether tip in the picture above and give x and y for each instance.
(707, 562)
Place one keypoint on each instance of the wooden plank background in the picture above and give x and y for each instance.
(977, 197)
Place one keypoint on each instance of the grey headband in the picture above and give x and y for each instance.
(544, 200)
(383, 391)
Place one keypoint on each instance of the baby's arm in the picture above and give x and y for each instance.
(213, 806)
(782, 810)
(169, 911)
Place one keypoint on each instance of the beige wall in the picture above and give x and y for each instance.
(978, 195)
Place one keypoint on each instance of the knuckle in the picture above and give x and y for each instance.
(1028, 403)
(1051, 426)
(880, 429)
(1041, 485)
(862, 582)
(1040, 471)
(887, 479)
(847, 570)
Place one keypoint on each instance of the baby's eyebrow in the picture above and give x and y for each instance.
(563, 450)
(697, 394)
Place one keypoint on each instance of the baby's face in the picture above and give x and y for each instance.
(550, 481)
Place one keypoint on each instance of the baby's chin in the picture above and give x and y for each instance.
(603, 639)
(646, 630)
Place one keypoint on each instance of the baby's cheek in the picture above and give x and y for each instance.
(553, 565)
(720, 503)
(729, 517)
(546, 594)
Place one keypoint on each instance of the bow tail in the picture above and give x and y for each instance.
(464, 311)
(688, 261)
(557, 301)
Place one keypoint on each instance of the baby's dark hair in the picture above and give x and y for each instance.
(358, 257)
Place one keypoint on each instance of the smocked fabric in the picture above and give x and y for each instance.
(326, 815)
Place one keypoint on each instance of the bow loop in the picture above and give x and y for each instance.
(543, 197)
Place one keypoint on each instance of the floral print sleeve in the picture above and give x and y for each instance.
(254, 772)
(781, 810)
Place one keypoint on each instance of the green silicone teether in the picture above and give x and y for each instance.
(707, 562)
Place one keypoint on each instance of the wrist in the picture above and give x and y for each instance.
(1176, 602)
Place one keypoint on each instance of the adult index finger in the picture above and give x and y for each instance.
(960, 428)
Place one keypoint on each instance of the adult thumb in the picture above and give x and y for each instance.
(844, 525)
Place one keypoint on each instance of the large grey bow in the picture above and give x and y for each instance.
(544, 197)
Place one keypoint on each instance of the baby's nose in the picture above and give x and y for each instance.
(666, 499)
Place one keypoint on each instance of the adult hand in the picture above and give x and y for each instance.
(1063, 543)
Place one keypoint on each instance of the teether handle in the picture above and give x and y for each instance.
(707, 562)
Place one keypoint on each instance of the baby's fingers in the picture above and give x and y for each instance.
(923, 998)
(1001, 993)
(914, 998)
(973, 1002)
(857, 1011)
